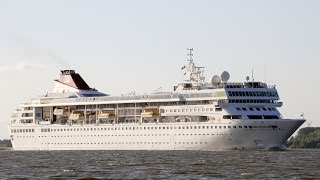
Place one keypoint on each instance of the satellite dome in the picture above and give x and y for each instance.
(247, 78)
(225, 76)
(215, 80)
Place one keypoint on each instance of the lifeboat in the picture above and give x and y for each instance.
(149, 112)
(105, 114)
(74, 116)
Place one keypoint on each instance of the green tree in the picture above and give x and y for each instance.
(308, 137)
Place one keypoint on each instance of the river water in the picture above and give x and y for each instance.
(291, 164)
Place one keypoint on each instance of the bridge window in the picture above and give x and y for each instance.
(254, 117)
(270, 117)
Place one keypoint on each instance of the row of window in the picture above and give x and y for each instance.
(121, 135)
(251, 117)
(149, 128)
(258, 109)
(250, 93)
(120, 143)
(251, 101)
(134, 135)
(232, 117)
(190, 110)
(45, 129)
(22, 130)
(263, 117)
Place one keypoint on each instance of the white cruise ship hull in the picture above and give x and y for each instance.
(226, 135)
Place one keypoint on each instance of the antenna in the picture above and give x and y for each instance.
(252, 75)
(265, 74)
(190, 55)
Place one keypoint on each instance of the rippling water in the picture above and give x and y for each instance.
(160, 164)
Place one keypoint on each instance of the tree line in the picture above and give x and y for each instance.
(308, 137)
(5, 143)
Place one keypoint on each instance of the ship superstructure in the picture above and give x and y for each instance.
(197, 115)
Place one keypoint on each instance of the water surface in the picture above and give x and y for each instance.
(293, 164)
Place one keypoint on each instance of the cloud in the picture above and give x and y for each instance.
(22, 66)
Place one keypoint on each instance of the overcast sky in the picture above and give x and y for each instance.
(124, 46)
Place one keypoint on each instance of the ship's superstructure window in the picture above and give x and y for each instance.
(22, 130)
(270, 117)
(251, 101)
(45, 130)
(232, 117)
(254, 117)
(253, 93)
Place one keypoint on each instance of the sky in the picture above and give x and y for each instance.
(123, 46)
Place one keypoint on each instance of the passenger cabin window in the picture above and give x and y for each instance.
(218, 109)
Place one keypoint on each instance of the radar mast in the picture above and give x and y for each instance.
(192, 73)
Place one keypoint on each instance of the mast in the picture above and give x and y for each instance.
(193, 74)
(190, 55)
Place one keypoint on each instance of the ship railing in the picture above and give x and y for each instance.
(137, 97)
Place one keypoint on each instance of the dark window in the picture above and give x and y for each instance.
(236, 117)
(218, 109)
(270, 117)
(254, 117)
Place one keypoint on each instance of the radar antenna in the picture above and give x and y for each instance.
(192, 73)
(190, 55)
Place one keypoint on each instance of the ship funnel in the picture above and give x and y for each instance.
(73, 79)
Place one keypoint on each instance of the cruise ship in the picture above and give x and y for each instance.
(197, 115)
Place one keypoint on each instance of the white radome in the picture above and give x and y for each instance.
(215, 80)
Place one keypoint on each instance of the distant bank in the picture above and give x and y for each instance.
(5, 144)
(308, 137)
